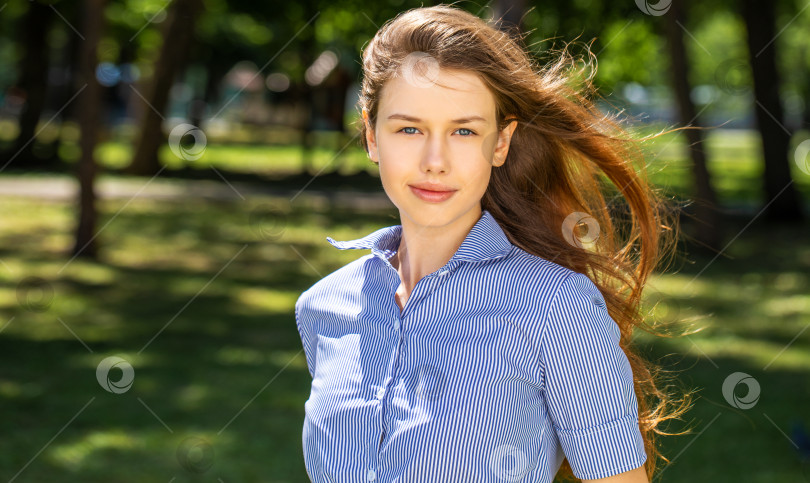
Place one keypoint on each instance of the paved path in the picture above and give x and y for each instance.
(65, 188)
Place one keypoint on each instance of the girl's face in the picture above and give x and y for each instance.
(446, 136)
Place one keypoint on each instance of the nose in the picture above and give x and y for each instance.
(436, 155)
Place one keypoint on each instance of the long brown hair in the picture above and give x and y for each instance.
(562, 155)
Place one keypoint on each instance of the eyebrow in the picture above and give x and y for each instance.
(463, 120)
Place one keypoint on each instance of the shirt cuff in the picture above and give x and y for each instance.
(604, 450)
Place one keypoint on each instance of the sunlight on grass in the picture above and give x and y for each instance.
(220, 337)
(231, 356)
(729, 316)
(244, 158)
(10, 389)
(294, 359)
(756, 352)
(95, 274)
(241, 355)
(73, 456)
(90, 361)
(192, 396)
(787, 306)
(264, 299)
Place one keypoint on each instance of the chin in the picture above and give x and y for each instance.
(427, 214)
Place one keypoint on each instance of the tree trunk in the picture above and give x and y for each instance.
(177, 38)
(33, 80)
(782, 200)
(64, 87)
(304, 99)
(709, 230)
(210, 95)
(89, 115)
(304, 94)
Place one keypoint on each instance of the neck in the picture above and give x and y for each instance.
(423, 249)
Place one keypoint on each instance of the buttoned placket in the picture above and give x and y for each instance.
(382, 244)
(423, 289)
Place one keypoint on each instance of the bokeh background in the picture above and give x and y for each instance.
(169, 172)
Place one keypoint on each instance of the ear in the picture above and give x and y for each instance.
(371, 139)
(504, 139)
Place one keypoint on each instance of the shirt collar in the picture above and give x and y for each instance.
(485, 241)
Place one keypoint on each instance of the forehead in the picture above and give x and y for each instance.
(443, 94)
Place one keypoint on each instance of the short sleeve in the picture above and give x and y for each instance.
(308, 339)
(589, 383)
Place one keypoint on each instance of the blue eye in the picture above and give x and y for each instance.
(471, 133)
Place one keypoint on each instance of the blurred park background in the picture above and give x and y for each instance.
(169, 170)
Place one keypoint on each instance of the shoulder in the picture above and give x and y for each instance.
(335, 285)
(534, 272)
(547, 285)
(545, 270)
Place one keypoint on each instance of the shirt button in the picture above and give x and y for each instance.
(371, 475)
(380, 393)
(396, 325)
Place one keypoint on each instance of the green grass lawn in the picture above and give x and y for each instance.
(207, 375)
(198, 296)
(227, 366)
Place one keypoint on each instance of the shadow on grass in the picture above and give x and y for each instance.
(210, 333)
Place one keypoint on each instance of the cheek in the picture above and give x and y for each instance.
(475, 176)
(482, 177)
(394, 170)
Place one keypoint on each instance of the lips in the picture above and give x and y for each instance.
(432, 187)
(432, 193)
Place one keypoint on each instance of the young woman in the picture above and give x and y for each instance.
(485, 338)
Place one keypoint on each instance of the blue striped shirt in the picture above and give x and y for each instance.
(501, 364)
